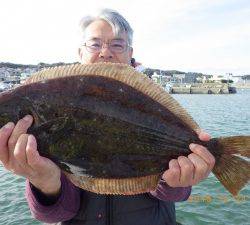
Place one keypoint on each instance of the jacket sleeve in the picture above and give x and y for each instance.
(61, 209)
(166, 193)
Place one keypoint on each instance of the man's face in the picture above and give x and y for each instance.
(100, 32)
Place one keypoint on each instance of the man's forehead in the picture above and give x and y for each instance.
(104, 36)
(120, 39)
(102, 30)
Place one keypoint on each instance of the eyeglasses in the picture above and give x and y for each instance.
(115, 45)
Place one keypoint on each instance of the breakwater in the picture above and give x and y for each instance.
(207, 88)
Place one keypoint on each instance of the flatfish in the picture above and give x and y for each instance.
(112, 130)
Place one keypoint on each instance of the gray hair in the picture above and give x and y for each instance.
(118, 23)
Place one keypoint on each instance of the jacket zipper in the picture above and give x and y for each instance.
(109, 210)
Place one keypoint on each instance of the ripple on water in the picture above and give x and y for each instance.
(13, 206)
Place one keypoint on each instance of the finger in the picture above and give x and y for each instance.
(20, 128)
(35, 161)
(203, 136)
(204, 154)
(201, 168)
(172, 175)
(20, 150)
(5, 133)
(33, 156)
(19, 164)
(187, 171)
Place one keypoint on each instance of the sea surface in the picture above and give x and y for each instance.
(210, 203)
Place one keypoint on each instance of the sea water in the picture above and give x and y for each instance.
(210, 203)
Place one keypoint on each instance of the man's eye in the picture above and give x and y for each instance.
(117, 46)
(95, 45)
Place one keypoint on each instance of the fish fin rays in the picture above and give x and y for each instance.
(233, 172)
(122, 186)
(232, 169)
(125, 74)
(236, 145)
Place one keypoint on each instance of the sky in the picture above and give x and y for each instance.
(208, 36)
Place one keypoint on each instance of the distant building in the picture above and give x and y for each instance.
(237, 79)
(23, 77)
(2, 77)
(156, 77)
(5, 86)
(179, 78)
(246, 79)
(159, 78)
(190, 78)
(140, 68)
(218, 78)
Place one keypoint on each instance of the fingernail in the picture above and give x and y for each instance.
(8, 125)
(192, 145)
(30, 138)
(27, 118)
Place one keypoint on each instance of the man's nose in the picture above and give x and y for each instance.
(105, 52)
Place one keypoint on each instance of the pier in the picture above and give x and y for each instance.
(207, 88)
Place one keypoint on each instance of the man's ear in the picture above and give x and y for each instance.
(80, 53)
(131, 52)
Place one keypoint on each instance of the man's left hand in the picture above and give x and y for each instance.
(190, 170)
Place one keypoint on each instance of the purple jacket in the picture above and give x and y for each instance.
(68, 203)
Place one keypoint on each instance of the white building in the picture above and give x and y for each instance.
(218, 78)
(23, 77)
(179, 77)
(237, 79)
(159, 78)
(5, 86)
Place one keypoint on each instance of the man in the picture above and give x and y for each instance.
(53, 198)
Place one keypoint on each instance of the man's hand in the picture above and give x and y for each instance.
(18, 154)
(190, 170)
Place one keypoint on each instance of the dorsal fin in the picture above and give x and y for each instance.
(123, 73)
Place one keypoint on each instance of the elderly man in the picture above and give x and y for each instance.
(52, 198)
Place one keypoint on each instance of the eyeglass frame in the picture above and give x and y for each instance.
(108, 46)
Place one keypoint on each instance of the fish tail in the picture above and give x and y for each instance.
(232, 167)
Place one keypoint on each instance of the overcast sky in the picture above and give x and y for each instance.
(209, 36)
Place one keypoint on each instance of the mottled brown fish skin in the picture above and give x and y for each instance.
(102, 126)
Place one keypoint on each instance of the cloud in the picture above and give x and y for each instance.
(180, 34)
(207, 42)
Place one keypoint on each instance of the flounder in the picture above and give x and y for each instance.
(112, 130)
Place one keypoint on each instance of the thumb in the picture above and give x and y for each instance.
(34, 160)
(203, 136)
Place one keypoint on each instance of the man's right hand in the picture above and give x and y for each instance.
(18, 154)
